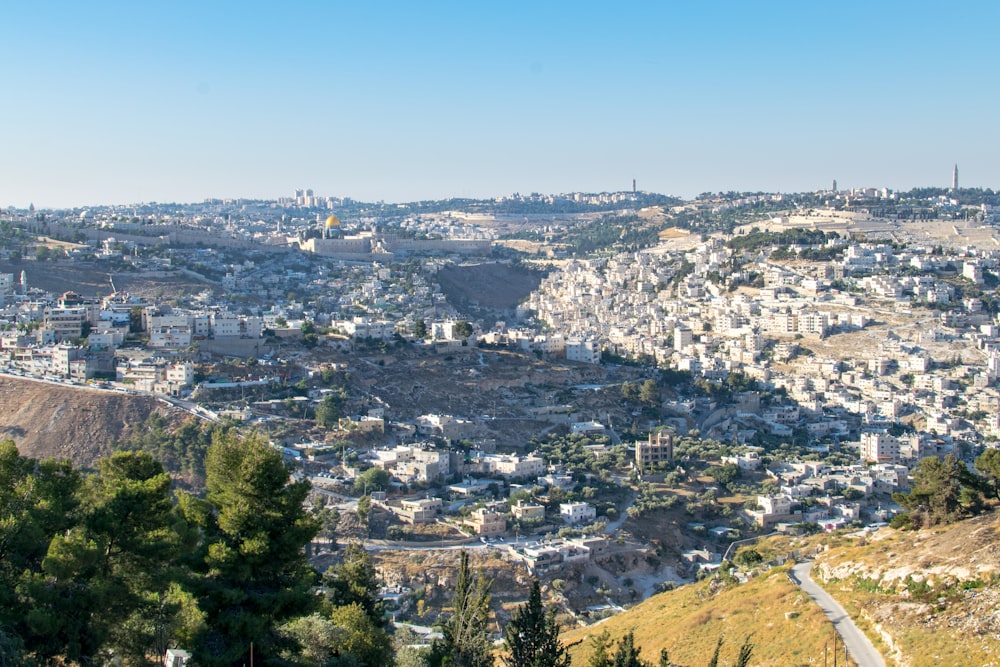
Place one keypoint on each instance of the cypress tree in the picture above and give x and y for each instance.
(533, 635)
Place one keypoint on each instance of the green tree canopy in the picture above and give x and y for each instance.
(353, 581)
(253, 553)
(533, 635)
(465, 642)
(373, 479)
(943, 491)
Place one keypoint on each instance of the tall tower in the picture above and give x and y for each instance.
(633, 186)
(954, 179)
(834, 188)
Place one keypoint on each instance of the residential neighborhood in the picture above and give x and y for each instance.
(783, 373)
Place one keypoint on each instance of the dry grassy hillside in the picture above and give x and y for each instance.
(931, 597)
(784, 625)
(48, 420)
(925, 598)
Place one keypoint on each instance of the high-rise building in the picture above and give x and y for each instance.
(954, 179)
(834, 188)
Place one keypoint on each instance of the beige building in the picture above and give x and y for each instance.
(658, 449)
(487, 522)
(527, 511)
(424, 510)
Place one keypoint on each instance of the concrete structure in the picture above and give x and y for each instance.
(657, 450)
(424, 510)
(487, 523)
(576, 513)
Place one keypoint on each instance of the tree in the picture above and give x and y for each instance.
(943, 491)
(255, 572)
(462, 329)
(38, 503)
(135, 319)
(465, 642)
(363, 509)
(420, 328)
(533, 635)
(724, 475)
(627, 653)
(132, 520)
(649, 394)
(328, 410)
(629, 391)
(600, 644)
(746, 652)
(988, 463)
(102, 583)
(373, 479)
(353, 581)
(362, 637)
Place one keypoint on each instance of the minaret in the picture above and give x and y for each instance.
(954, 179)
(24, 282)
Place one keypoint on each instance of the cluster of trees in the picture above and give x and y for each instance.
(531, 635)
(181, 450)
(946, 490)
(646, 393)
(650, 500)
(755, 240)
(115, 563)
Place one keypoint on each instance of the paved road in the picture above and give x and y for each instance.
(858, 645)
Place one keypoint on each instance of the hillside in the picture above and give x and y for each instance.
(786, 628)
(925, 598)
(929, 596)
(48, 420)
(487, 288)
(92, 279)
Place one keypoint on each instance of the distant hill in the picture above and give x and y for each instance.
(925, 598)
(48, 420)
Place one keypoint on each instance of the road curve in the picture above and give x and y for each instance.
(858, 645)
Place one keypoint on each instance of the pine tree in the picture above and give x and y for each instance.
(533, 635)
(714, 661)
(627, 653)
(465, 642)
(746, 652)
(600, 643)
(252, 557)
(354, 581)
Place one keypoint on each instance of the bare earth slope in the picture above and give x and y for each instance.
(47, 420)
(493, 287)
(92, 279)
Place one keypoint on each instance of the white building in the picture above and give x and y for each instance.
(575, 513)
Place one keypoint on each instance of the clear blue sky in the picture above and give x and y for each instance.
(178, 101)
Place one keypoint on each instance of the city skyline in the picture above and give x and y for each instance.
(112, 103)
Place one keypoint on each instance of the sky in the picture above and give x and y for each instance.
(127, 102)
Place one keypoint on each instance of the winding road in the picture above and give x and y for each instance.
(858, 645)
